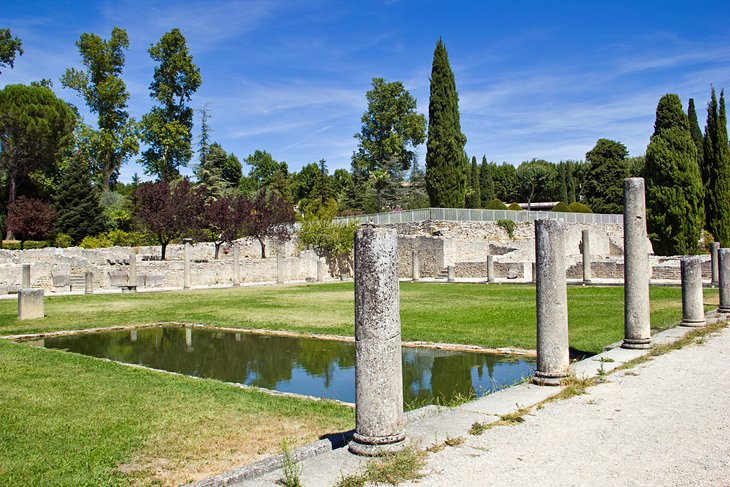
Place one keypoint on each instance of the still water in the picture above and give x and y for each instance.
(322, 368)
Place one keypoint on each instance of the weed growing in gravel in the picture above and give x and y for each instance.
(289, 465)
(392, 468)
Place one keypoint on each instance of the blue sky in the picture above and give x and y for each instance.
(536, 79)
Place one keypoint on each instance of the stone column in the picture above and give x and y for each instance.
(490, 269)
(25, 277)
(534, 273)
(236, 265)
(416, 267)
(586, 257)
(715, 250)
(320, 270)
(637, 324)
(132, 269)
(553, 360)
(380, 424)
(693, 311)
(451, 273)
(186, 265)
(279, 268)
(89, 283)
(30, 304)
(724, 267)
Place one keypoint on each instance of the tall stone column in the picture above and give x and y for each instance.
(320, 270)
(25, 277)
(586, 257)
(490, 269)
(236, 265)
(553, 360)
(132, 269)
(186, 264)
(714, 259)
(724, 271)
(380, 424)
(279, 268)
(637, 323)
(416, 265)
(534, 273)
(693, 311)
(451, 274)
(88, 283)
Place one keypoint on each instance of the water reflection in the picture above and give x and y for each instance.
(322, 368)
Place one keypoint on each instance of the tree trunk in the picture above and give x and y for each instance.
(217, 249)
(164, 250)
(263, 248)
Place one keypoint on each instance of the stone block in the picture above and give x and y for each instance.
(30, 304)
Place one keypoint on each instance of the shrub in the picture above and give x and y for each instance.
(515, 207)
(508, 226)
(496, 204)
(707, 239)
(62, 241)
(96, 242)
(28, 244)
(561, 207)
(577, 207)
(128, 239)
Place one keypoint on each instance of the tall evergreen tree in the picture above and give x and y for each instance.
(473, 192)
(570, 182)
(486, 184)
(563, 183)
(694, 129)
(717, 171)
(79, 212)
(604, 183)
(674, 194)
(446, 164)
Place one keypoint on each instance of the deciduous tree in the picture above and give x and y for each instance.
(9, 48)
(223, 219)
(30, 219)
(270, 216)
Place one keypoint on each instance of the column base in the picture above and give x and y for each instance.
(693, 323)
(587, 281)
(636, 343)
(723, 310)
(373, 446)
(546, 379)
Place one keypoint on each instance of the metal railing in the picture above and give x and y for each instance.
(472, 215)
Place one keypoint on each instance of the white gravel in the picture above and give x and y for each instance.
(665, 422)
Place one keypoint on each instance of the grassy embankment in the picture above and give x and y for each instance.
(70, 419)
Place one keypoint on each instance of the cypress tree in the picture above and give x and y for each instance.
(717, 171)
(570, 182)
(473, 192)
(563, 183)
(694, 129)
(446, 164)
(486, 184)
(674, 192)
(77, 202)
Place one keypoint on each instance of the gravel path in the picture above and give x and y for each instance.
(665, 422)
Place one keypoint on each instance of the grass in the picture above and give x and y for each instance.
(392, 469)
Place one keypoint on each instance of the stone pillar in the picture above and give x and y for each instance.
(693, 311)
(236, 265)
(637, 323)
(380, 424)
(490, 269)
(30, 304)
(25, 277)
(132, 269)
(279, 268)
(534, 273)
(586, 257)
(186, 264)
(416, 267)
(451, 273)
(553, 360)
(320, 270)
(714, 258)
(89, 283)
(724, 268)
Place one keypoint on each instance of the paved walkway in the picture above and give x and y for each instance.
(664, 422)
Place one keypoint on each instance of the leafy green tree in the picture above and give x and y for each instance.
(717, 171)
(79, 212)
(486, 184)
(563, 182)
(604, 184)
(35, 131)
(569, 181)
(9, 47)
(328, 238)
(219, 172)
(505, 181)
(473, 192)
(391, 129)
(446, 164)
(537, 180)
(694, 128)
(266, 173)
(674, 194)
(167, 128)
(105, 93)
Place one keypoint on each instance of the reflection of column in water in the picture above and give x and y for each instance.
(417, 363)
(238, 337)
(133, 335)
(189, 338)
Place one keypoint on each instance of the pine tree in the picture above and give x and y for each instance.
(694, 129)
(77, 202)
(486, 184)
(717, 171)
(674, 194)
(473, 192)
(446, 164)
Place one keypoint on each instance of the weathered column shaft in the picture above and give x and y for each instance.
(416, 265)
(320, 270)
(534, 273)
(724, 272)
(25, 276)
(236, 265)
(553, 360)
(186, 266)
(132, 269)
(693, 311)
(89, 283)
(279, 268)
(586, 247)
(30, 304)
(714, 258)
(490, 269)
(380, 425)
(451, 273)
(637, 323)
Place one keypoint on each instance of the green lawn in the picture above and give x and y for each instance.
(75, 420)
